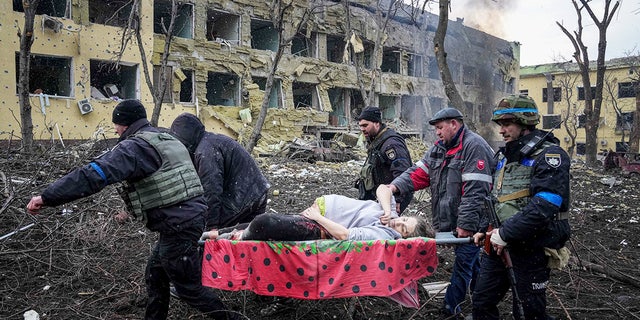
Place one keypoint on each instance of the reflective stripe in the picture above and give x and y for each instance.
(555, 199)
(97, 168)
(514, 110)
(477, 177)
(421, 165)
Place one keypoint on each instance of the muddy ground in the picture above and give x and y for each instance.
(76, 262)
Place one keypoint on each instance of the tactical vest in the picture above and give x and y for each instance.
(368, 172)
(513, 192)
(175, 181)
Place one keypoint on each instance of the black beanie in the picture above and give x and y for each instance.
(371, 114)
(128, 112)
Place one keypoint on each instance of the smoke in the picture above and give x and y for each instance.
(485, 15)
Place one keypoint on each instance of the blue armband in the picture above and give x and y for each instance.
(97, 168)
(555, 199)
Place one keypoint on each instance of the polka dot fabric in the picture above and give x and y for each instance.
(321, 269)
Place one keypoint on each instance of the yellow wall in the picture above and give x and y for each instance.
(534, 82)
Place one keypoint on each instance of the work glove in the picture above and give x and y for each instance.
(496, 239)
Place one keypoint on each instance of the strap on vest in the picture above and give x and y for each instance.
(562, 215)
(515, 195)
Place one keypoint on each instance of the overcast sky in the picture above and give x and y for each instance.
(533, 24)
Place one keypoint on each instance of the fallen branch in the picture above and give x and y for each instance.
(610, 272)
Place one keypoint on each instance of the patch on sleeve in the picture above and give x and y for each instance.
(552, 159)
(480, 165)
(391, 153)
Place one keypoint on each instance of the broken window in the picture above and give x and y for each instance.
(390, 60)
(111, 13)
(388, 106)
(335, 48)
(179, 84)
(338, 98)
(183, 22)
(275, 97)
(48, 75)
(223, 26)
(435, 103)
(223, 89)
(415, 65)
(581, 148)
(557, 94)
(434, 71)
(304, 95)
(551, 121)
(469, 75)
(264, 35)
(304, 46)
(626, 90)
(413, 112)
(622, 146)
(581, 93)
(109, 80)
(53, 8)
(582, 120)
(624, 121)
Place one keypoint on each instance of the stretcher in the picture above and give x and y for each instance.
(324, 269)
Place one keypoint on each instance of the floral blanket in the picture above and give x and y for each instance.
(321, 269)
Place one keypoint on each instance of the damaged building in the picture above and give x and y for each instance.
(338, 60)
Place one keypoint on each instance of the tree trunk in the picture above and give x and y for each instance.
(441, 56)
(634, 139)
(26, 41)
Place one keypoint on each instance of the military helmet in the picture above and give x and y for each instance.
(519, 108)
(445, 114)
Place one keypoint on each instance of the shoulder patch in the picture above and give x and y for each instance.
(480, 165)
(391, 153)
(552, 159)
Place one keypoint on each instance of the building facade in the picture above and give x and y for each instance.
(221, 56)
(566, 103)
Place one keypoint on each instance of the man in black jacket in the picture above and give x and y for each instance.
(387, 157)
(163, 188)
(234, 187)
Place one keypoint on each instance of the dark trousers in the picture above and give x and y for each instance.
(177, 259)
(465, 268)
(532, 276)
(282, 227)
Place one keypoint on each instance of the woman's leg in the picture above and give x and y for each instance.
(282, 227)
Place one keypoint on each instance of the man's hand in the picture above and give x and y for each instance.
(478, 238)
(34, 206)
(385, 218)
(462, 233)
(497, 241)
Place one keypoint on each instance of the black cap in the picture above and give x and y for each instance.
(445, 114)
(371, 114)
(128, 112)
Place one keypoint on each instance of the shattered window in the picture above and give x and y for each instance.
(434, 71)
(335, 48)
(53, 8)
(48, 75)
(111, 13)
(581, 93)
(113, 81)
(183, 22)
(223, 89)
(304, 95)
(624, 121)
(264, 35)
(413, 112)
(551, 121)
(415, 65)
(337, 97)
(390, 60)
(223, 26)
(557, 94)
(180, 84)
(275, 98)
(626, 90)
(387, 105)
(582, 120)
(302, 46)
(581, 148)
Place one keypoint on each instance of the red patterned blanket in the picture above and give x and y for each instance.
(321, 269)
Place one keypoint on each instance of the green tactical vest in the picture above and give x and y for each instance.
(175, 181)
(367, 173)
(512, 182)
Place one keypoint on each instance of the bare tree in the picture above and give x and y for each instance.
(281, 10)
(634, 138)
(24, 60)
(592, 105)
(569, 116)
(441, 57)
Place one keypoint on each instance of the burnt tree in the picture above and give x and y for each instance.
(26, 42)
(592, 105)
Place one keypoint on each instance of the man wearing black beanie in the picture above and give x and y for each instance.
(162, 187)
(387, 157)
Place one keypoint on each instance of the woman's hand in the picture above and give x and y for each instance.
(312, 212)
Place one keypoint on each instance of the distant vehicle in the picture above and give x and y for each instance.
(628, 162)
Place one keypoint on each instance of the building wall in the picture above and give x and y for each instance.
(533, 81)
(485, 68)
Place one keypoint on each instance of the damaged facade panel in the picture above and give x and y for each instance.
(223, 51)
